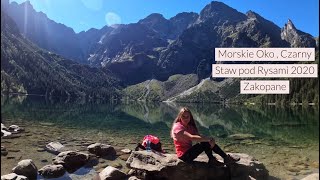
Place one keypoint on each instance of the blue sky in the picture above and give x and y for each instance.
(85, 14)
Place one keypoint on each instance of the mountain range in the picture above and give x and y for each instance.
(27, 69)
(154, 47)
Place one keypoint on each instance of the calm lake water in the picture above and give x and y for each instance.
(286, 140)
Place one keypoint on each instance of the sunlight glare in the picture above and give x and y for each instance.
(112, 18)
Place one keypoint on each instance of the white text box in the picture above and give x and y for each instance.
(265, 87)
(264, 54)
(265, 70)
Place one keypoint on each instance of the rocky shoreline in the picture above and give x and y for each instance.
(139, 164)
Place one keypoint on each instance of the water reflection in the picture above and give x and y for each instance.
(283, 136)
(295, 125)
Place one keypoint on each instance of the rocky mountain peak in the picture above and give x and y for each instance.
(218, 11)
(27, 10)
(157, 23)
(290, 25)
(254, 15)
(27, 4)
(296, 37)
(184, 15)
(184, 18)
(152, 19)
(213, 9)
(181, 22)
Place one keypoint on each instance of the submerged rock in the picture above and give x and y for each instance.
(168, 166)
(241, 136)
(15, 128)
(52, 171)
(9, 135)
(13, 176)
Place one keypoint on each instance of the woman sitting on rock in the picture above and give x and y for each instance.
(184, 131)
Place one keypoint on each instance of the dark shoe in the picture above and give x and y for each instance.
(214, 162)
(137, 147)
(231, 159)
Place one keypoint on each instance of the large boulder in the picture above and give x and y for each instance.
(26, 168)
(52, 171)
(314, 176)
(112, 173)
(71, 160)
(13, 176)
(102, 150)
(168, 166)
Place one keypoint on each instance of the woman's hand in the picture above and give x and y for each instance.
(212, 142)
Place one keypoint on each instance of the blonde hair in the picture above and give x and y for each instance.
(178, 119)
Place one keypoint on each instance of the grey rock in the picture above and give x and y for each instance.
(55, 147)
(137, 173)
(44, 160)
(15, 128)
(102, 150)
(52, 171)
(112, 173)
(3, 127)
(71, 160)
(41, 149)
(124, 156)
(13, 176)
(14, 150)
(26, 168)
(168, 166)
(5, 133)
(126, 151)
(314, 176)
